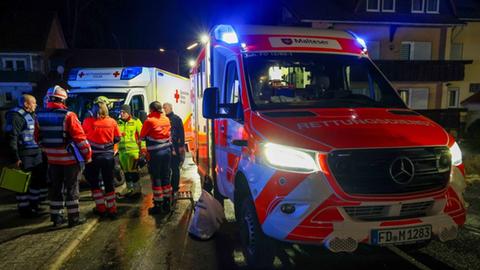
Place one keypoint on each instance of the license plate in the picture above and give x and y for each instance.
(401, 235)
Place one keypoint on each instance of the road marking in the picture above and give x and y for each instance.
(409, 258)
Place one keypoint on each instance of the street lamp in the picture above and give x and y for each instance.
(191, 63)
(161, 50)
(192, 46)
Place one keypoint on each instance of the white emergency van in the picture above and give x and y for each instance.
(136, 86)
(313, 145)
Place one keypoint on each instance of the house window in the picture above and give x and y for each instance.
(433, 6)
(453, 94)
(474, 87)
(418, 6)
(373, 5)
(456, 51)
(14, 64)
(415, 98)
(404, 95)
(416, 50)
(388, 5)
(373, 49)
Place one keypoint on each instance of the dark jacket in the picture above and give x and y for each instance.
(177, 131)
(15, 152)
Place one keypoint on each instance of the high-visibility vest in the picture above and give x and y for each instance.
(26, 140)
(130, 131)
(52, 127)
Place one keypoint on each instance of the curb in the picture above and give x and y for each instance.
(60, 257)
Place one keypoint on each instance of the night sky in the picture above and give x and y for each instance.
(144, 24)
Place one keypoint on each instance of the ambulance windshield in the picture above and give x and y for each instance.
(81, 103)
(282, 80)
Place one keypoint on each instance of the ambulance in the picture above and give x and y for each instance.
(136, 86)
(313, 145)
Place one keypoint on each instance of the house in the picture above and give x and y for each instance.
(410, 40)
(28, 40)
(465, 42)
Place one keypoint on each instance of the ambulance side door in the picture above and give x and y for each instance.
(228, 130)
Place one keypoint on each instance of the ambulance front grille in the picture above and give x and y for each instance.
(382, 212)
(368, 172)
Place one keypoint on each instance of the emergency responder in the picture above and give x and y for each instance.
(61, 137)
(178, 142)
(25, 153)
(102, 133)
(156, 133)
(129, 149)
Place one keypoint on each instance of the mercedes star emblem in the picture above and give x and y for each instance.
(402, 170)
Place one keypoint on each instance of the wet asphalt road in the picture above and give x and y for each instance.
(137, 240)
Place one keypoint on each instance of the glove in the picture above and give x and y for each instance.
(141, 162)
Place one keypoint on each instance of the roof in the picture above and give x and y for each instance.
(244, 30)
(468, 9)
(354, 11)
(25, 30)
(473, 99)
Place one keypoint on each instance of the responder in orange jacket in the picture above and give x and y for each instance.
(102, 133)
(62, 139)
(156, 133)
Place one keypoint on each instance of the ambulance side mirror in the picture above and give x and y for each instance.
(210, 103)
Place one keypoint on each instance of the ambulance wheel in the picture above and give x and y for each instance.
(258, 249)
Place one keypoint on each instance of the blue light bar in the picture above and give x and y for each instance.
(130, 73)
(225, 33)
(362, 43)
(72, 76)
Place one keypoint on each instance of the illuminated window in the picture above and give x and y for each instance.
(404, 95)
(388, 5)
(418, 6)
(373, 5)
(453, 94)
(433, 6)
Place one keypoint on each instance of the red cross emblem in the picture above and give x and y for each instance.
(116, 73)
(81, 74)
(176, 96)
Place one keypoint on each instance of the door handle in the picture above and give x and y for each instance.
(240, 142)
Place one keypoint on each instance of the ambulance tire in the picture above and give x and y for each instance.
(258, 249)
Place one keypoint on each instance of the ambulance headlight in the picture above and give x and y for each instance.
(290, 159)
(456, 154)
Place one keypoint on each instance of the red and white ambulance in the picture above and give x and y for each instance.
(313, 145)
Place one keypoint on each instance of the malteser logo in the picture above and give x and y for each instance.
(287, 41)
(304, 42)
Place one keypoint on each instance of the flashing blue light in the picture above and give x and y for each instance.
(362, 43)
(130, 73)
(72, 76)
(226, 33)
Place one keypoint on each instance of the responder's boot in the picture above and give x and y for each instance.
(58, 219)
(156, 209)
(127, 192)
(75, 221)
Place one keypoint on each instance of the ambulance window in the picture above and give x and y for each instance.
(137, 105)
(359, 82)
(232, 84)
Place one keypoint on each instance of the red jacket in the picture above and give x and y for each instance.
(156, 131)
(74, 132)
(102, 133)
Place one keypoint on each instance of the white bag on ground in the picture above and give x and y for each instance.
(207, 218)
